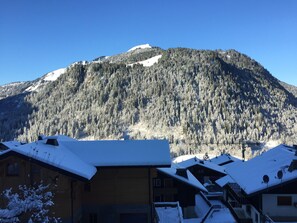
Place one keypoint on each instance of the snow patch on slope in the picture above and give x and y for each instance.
(13, 84)
(52, 76)
(149, 62)
(49, 77)
(144, 46)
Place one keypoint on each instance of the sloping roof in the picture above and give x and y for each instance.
(56, 156)
(224, 180)
(223, 159)
(189, 179)
(82, 157)
(249, 175)
(195, 161)
(111, 153)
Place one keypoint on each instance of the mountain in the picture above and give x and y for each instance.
(197, 99)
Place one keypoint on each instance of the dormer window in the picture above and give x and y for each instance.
(53, 142)
(12, 169)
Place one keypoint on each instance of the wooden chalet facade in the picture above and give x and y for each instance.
(203, 170)
(177, 185)
(92, 180)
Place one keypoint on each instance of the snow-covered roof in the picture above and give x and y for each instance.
(108, 153)
(169, 212)
(195, 161)
(223, 159)
(224, 180)
(82, 157)
(189, 179)
(58, 156)
(271, 166)
(212, 211)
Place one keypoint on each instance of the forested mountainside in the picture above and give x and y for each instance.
(193, 98)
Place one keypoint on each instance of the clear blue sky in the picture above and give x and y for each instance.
(38, 36)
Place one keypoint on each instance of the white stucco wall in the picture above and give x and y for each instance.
(269, 204)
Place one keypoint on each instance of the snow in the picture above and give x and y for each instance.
(190, 180)
(13, 84)
(189, 156)
(224, 180)
(33, 202)
(52, 76)
(34, 87)
(201, 207)
(57, 156)
(84, 62)
(219, 213)
(195, 161)
(122, 152)
(82, 157)
(143, 46)
(222, 159)
(222, 215)
(169, 212)
(49, 77)
(149, 62)
(268, 163)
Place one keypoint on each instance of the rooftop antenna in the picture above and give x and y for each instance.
(266, 179)
(280, 174)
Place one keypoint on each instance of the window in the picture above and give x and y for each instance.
(12, 169)
(168, 183)
(284, 201)
(157, 182)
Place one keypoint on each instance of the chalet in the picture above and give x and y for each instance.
(263, 189)
(93, 181)
(204, 171)
(177, 184)
(223, 159)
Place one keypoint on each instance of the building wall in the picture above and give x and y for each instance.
(203, 174)
(169, 189)
(112, 195)
(31, 173)
(272, 209)
(119, 195)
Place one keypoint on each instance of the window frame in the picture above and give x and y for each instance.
(12, 169)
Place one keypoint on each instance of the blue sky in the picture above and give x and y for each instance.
(38, 36)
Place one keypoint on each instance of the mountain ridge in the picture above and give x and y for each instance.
(197, 99)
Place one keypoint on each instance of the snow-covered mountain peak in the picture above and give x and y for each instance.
(143, 46)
